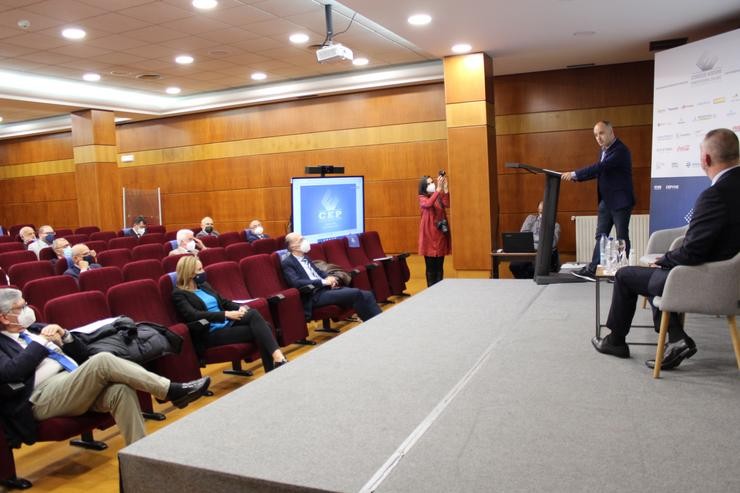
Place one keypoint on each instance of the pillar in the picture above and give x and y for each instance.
(471, 152)
(96, 170)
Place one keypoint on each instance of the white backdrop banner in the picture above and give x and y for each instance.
(697, 89)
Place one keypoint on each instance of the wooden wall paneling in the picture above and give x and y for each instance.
(568, 150)
(35, 149)
(34, 189)
(398, 234)
(606, 85)
(57, 213)
(367, 109)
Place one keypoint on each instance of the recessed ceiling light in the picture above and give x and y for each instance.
(461, 48)
(205, 4)
(584, 33)
(259, 76)
(184, 59)
(91, 77)
(298, 38)
(360, 61)
(1, 118)
(74, 33)
(419, 19)
(172, 90)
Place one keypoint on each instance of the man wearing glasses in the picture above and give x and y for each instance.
(45, 373)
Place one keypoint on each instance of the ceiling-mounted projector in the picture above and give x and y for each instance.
(333, 53)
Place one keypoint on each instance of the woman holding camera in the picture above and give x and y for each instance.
(434, 230)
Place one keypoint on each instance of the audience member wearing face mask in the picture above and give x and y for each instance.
(299, 271)
(206, 228)
(62, 249)
(138, 229)
(187, 243)
(228, 321)
(45, 239)
(83, 259)
(255, 231)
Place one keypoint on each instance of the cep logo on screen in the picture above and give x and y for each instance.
(330, 211)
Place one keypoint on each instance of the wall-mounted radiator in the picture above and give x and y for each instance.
(586, 231)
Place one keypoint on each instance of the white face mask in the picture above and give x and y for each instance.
(27, 317)
(141, 231)
(258, 230)
(305, 246)
(431, 188)
(190, 245)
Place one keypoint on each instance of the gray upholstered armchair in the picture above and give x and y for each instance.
(662, 241)
(712, 288)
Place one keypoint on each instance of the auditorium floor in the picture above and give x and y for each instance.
(60, 468)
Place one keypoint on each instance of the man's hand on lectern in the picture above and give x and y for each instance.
(568, 176)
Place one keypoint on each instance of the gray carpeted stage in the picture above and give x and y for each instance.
(472, 385)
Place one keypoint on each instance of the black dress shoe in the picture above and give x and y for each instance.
(675, 353)
(605, 346)
(182, 394)
(278, 364)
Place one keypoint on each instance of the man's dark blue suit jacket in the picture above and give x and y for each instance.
(614, 174)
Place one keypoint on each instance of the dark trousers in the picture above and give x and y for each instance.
(631, 282)
(362, 301)
(620, 219)
(435, 269)
(251, 328)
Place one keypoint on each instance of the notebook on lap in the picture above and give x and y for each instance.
(518, 242)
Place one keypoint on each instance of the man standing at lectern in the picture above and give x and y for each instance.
(616, 196)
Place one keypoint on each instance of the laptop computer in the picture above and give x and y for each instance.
(518, 242)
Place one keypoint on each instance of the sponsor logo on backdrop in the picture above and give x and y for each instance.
(689, 215)
(706, 61)
(719, 100)
(687, 106)
(683, 148)
(703, 118)
(664, 137)
(657, 187)
(664, 149)
(664, 124)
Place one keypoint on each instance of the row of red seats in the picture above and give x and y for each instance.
(149, 261)
(255, 276)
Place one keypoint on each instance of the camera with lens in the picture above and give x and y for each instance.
(443, 226)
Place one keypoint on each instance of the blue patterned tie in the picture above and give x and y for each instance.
(66, 362)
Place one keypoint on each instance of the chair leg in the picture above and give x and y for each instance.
(735, 337)
(644, 302)
(661, 343)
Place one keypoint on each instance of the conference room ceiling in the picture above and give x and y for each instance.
(128, 38)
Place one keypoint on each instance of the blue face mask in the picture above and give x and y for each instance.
(67, 252)
(50, 238)
(89, 259)
(200, 278)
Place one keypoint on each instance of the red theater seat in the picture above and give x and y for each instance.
(100, 279)
(40, 291)
(127, 242)
(15, 257)
(23, 272)
(148, 251)
(143, 269)
(117, 257)
(212, 255)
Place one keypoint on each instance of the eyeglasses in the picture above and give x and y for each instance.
(19, 308)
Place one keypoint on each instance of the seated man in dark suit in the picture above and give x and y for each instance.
(255, 231)
(82, 259)
(138, 229)
(45, 373)
(525, 270)
(300, 271)
(713, 235)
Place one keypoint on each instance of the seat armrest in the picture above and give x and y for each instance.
(403, 255)
(307, 289)
(383, 260)
(276, 298)
(354, 272)
(371, 266)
